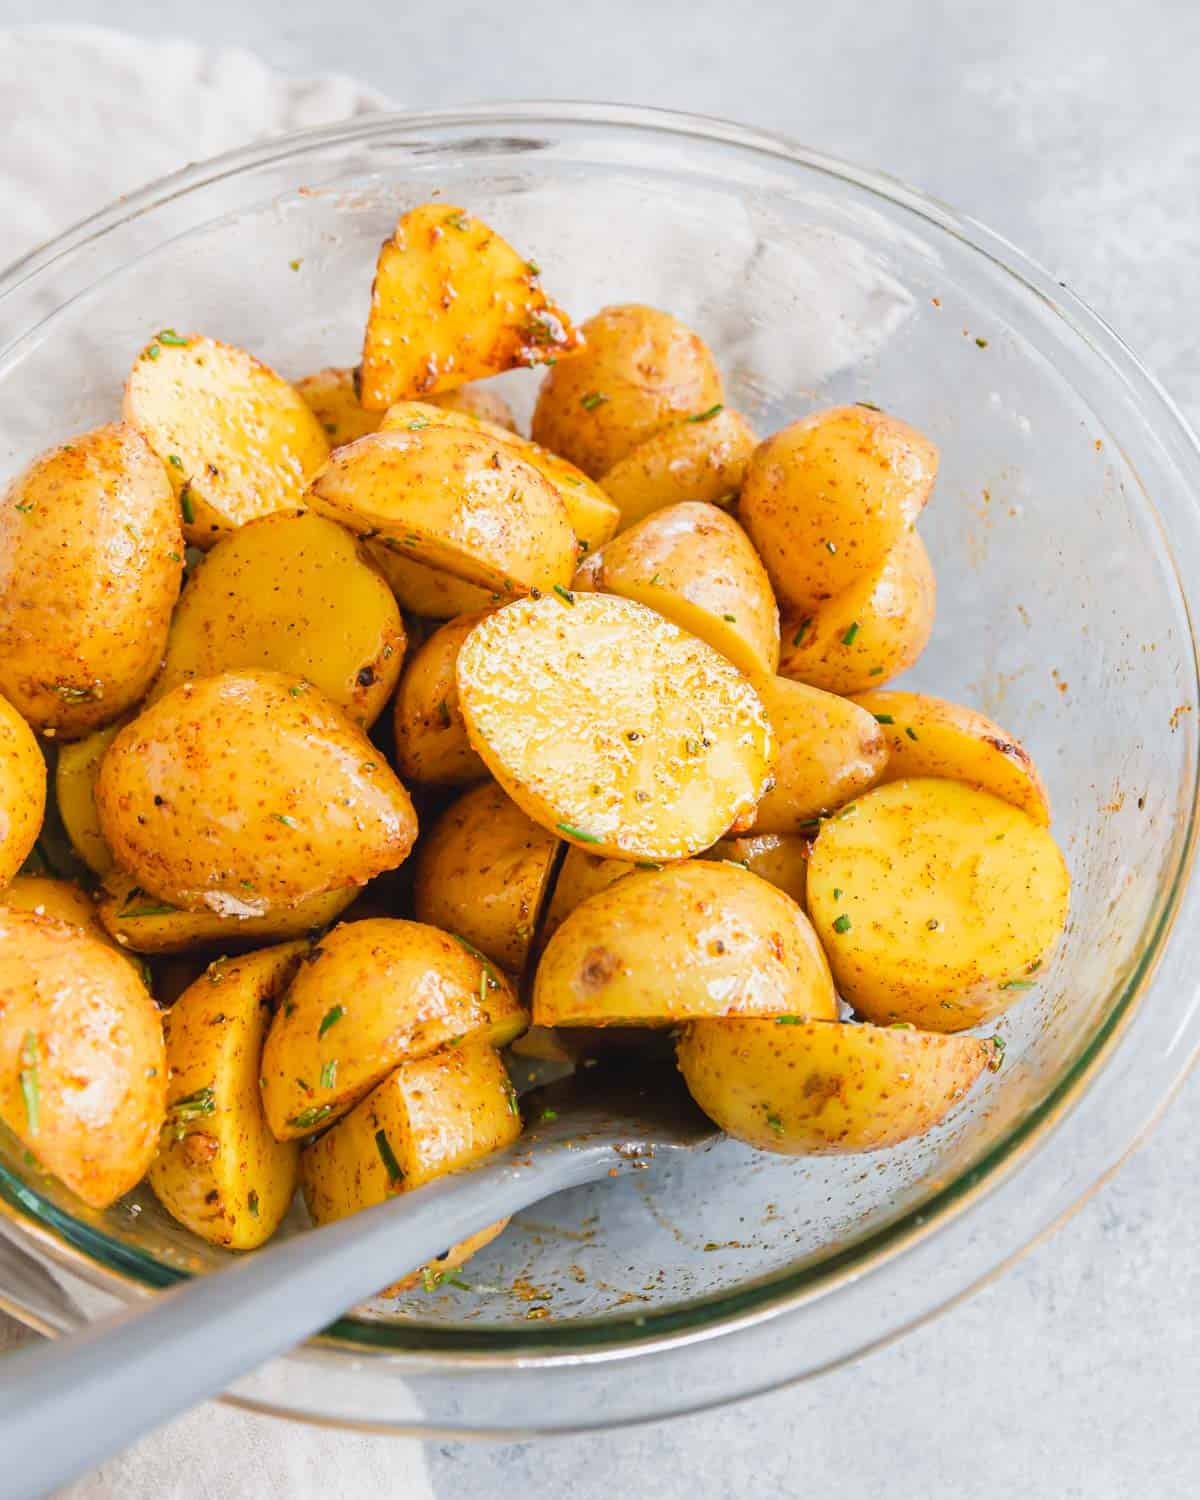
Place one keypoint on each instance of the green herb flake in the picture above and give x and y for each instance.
(875, 672)
(510, 1095)
(647, 864)
(910, 731)
(309, 1118)
(549, 1116)
(775, 1123)
(175, 557)
(901, 1026)
(565, 594)
(24, 509)
(457, 1281)
(533, 268)
(592, 400)
(837, 893)
(388, 1157)
(731, 618)
(848, 638)
(1017, 984)
(30, 1091)
(842, 923)
(789, 1020)
(194, 1106)
(831, 548)
(870, 405)
(169, 337)
(186, 509)
(175, 461)
(805, 627)
(998, 1046)
(707, 416)
(287, 821)
(578, 833)
(329, 1074)
(885, 719)
(297, 688)
(417, 424)
(330, 1019)
(983, 343)
(459, 221)
(295, 264)
(430, 1279)
(252, 1203)
(152, 352)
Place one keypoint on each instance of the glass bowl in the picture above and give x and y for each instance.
(1064, 532)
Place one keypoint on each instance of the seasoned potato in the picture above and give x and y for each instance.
(453, 302)
(697, 939)
(927, 736)
(641, 370)
(371, 995)
(238, 441)
(426, 591)
(936, 903)
(91, 556)
(82, 1068)
(779, 858)
(431, 736)
(830, 750)
(821, 1086)
(483, 872)
(293, 593)
(827, 498)
(580, 875)
(695, 565)
(873, 631)
(700, 458)
(455, 500)
(250, 792)
(61, 900)
(612, 726)
(75, 790)
(475, 401)
(219, 1170)
(333, 396)
(22, 791)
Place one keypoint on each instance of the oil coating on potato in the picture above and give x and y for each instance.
(332, 394)
(249, 792)
(22, 791)
(91, 556)
(612, 726)
(61, 900)
(426, 591)
(75, 792)
(779, 858)
(431, 735)
(82, 1067)
(701, 458)
(936, 903)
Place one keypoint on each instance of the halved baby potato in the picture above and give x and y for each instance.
(60, 900)
(701, 458)
(332, 394)
(580, 875)
(75, 790)
(426, 591)
(781, 859)
(22, 791)
(431, 735)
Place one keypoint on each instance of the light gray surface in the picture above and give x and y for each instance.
(1074, 129)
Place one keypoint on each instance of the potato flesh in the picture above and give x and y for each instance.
(936, 903)
(425, 591)
(703, 461)
(75, 791)
(613, 727)
(22, 791)
(431, 734)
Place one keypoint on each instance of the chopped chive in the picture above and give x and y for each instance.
(983, 343)
(578, 833)
(837, 893)
(457, 1281)
(870, 405)
(308, 1118)
(295, 264)
(805, 626)
(656, 579)
(1017, 984)
(789, 1020)
(186, 509)
(564, 594)
(296, 689)
(842, 923)
(252, 1203)
(430, 1279)
(174, 556)
(647, 864)
(329, 1074)
(831, 547)
(510, 1095)
(885, 719)
(533, 268)
(193, 1106)
(875, 672)
(330, 1019)
(147, 911)
(848, 638)
(704, 416)
(775, 1123)
(30, 1091)
(910, 731)
(459, 221)
(901, 1026)
(24, 509)
(484, 985)
(169, 337)
(175, 461)
(153, 351)
(388, 1157)
(417, 423)
(285, 820)
(549, 1115)
(731, 618)
(998, 1046)
(592, 400)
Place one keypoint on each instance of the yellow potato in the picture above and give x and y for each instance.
(425, 591)
(830, 750)
(690, 460)
(483, 872)
(827, 498)
(822, 1086)
(695, 565)
(332, 394)
(371, 995)
(219, 1170)
(612, 726)
(927, 736)
(455, 500)
(580, 875)
(75, 790)
(293, 593)
(250, 792)
(694, 940)
(873, 631)
(82, 1068)
(641, 370)
(779, 858)
(937, 904)
(453, 302)
(238, 441)
(91, 556)
(61, 900)
(22, 791)
(475, 401)
(431, 737)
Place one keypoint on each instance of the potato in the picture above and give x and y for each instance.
(695, 565)
(250, 792)
(475, 401)
(697, 939)
(431, 736)
(82, 1068)
(927, 736)
(827, 498)
(936, 903)
(332, 394)
(91, 556)
(873, 631)
(60, 900)
(483, 872)
(822, 1086)
(455, 500)
(580, 875)
(371, 995)
(22, 791)
(75, 791)
(781, 859)
(829, 751)
(425, 591)
(453, 302)
(219, 1170)
(292, 593)
(641, 370)
(700, 458)
(239, 442)
(612, 726)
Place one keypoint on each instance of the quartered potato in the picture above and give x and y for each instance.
(701, 458)
(22, 791)
(75, 790)
(422, 590)
(219, 1170)
(871, 632)
(250, 792)
(453, 302)
(91, 556)
(641, 370)
(292, 593)
(821, 1086)
(237, 440)
(695, 565)
(371, 995)
(61, 900)
(612, 726)
(580, 875)
(431, 735)
(936, 903)
(928, 736)
(332, 394)
(82, 1067)
(779, 858)
(694, 940)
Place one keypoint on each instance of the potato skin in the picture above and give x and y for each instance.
(580, 875)
(823, 1086)
(695, 940)
(22, 791)
(219, 1170)
(431, 735)
(873, 631)
(641, 370)
(781, 859)
(91, 557)
(79, 1029)
(75, 775)
(332, 396)
(247, 793)
(690, 460)
(426, 591)
(947, 901)
(59, 900)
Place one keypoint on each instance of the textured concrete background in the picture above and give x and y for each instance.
(1074, 129)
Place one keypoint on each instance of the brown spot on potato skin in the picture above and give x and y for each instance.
(1009, 748)
(598, 968)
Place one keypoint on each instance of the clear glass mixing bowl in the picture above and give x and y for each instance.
(1064, 531)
